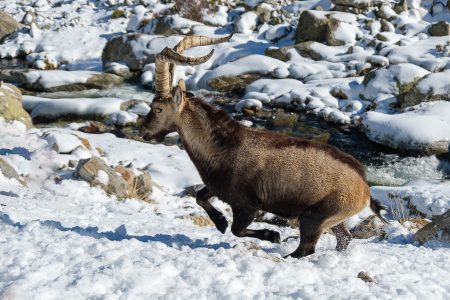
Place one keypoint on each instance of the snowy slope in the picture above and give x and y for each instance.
(72, 241)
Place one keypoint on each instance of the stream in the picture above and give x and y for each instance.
(383, 165)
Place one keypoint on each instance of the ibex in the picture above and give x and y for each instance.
(252, 169)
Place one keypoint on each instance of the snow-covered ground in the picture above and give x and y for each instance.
(67, 239)
(62, 238)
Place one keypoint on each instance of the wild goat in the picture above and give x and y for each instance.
(255, 170)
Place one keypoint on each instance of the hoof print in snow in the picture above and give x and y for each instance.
(439, 229)
(119, 181)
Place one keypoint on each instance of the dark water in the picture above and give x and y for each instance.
(13, 63)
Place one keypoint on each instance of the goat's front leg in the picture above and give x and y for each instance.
(244, 217)
(216, 216)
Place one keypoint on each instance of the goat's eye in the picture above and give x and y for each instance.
(157, 110)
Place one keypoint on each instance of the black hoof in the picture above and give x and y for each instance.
(222, 224)
(276, 238)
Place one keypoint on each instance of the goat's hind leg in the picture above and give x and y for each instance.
(343, 236)
(202, 198)
(242, 218)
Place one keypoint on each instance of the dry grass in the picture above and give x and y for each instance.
(201, 221)
(193, 10)
(396, 206)
(137, 193)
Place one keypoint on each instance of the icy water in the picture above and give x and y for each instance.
(383, 165)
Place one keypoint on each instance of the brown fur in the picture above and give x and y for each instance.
(255, 170)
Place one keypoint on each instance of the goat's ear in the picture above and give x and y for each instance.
(178, 98)
(182, 85)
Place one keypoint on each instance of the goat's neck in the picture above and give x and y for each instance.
(208, 136)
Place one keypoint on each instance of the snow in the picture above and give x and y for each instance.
(62, 238)
(246, 23)
(429, 123)
(72, 240)
(249, 64)
(385, 82)
(48, 108)
(435, 84)
(429, 197)
(54, 78)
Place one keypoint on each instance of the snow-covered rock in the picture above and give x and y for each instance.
(11, 105)
(394, 80)
(112, 109)
(7, 25)
(246, 23)
(434, 86)
(426, 129)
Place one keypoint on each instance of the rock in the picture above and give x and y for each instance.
(312, 26)
(395, 80)
(401, 6)
(59, 80)
(278, 53)
(246, 22)
(118, 13)
(119, 49)
(233, 84)
(438, 229)
(142, 186)
(126, 174)
(423, 130)
(264, 13)
(119, 181)
(356, 3)
(170, 25)
(368, 228)
(439, 29)
(95, 171)
(8, 171)
(364, 276)
(11, 105)
(8, 25)
(434, 86)
(118, 69)
(308, 49)
(339, 33)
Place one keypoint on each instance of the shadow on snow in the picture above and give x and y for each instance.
(120, 234)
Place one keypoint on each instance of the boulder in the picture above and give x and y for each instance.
(356, 3)
(434, 86)
(312, 26)
(95, 171)
(120, 49)
(119, 181)
(368, 228)
(142, 186)
(8, 171)
(308, 49)
(339, 33)
(438, 229)
(246, 22)
(11, 105)
(395, 80)
(233, 84)
(8, 25)
(439, 29)
(59, 80)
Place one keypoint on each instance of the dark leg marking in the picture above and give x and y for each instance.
(242, 218)
(202, 198)
(343, 236)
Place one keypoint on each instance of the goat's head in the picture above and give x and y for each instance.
(168, 103)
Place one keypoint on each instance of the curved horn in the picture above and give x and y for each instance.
(167, 59)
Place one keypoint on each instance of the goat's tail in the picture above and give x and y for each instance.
(377, 207)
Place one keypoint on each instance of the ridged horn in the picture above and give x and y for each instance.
(167, 59)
